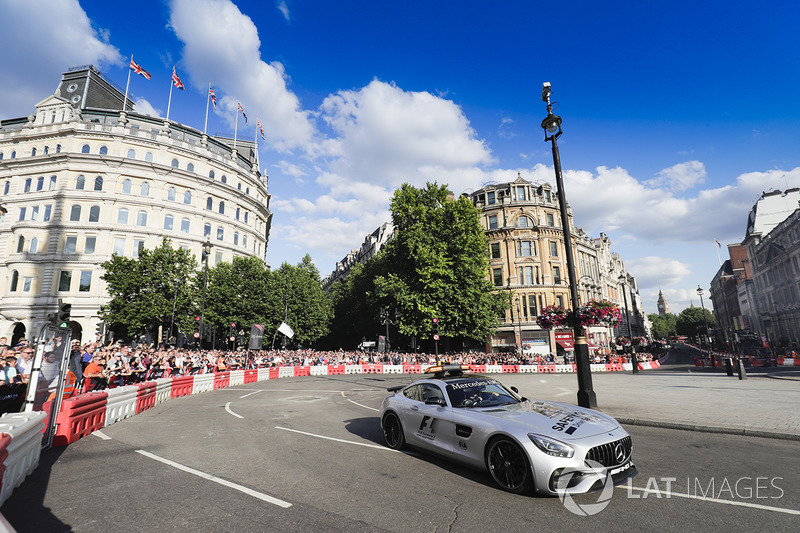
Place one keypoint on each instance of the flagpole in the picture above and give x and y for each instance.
(236, 126)
(127, 84)
(171, 83)
(718, 256)
(208, 99)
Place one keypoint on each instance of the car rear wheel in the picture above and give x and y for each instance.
(393, 432)
(508, 465)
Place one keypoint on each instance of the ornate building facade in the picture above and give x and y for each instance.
(81, 179)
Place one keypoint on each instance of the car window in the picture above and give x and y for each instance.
(479, 393)
(414, 392)
(430, 391)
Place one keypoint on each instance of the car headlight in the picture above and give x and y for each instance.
(552, 446)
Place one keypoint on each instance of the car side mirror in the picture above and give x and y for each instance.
(434, 401)
(515, 389)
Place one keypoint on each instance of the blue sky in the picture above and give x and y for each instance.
(677, 115)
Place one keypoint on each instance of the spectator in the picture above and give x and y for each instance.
(95, 374)
(24, 363)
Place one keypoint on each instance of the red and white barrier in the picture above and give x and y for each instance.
(21, 443)
(120, 403)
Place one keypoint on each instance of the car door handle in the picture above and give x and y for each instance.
(414, 408)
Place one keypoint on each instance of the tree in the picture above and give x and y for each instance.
(663, 325)
(437, 266)
(307, 309)
(690, 322)
(144, 291)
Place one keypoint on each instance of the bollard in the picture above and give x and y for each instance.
(729, 366)
(740, 369)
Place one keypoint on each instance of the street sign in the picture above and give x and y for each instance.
(233, 338)
(196, 334)
(436, 337)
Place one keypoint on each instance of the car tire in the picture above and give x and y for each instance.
(508, 465)
(393, 432)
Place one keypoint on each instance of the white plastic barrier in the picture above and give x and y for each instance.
(353, 369)
(319, 370)
(645, 365)
(237, 378)
(528, 369)
(627, 366)
(286, 372)
(121, 403)
(263, 374)
(24, 450)
(203, 383)
(163, 390)
(392, 369)
(564, 368)
(597, 368)
(494, 369)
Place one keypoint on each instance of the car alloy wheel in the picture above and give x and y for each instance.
(393, 432)
(508, 465)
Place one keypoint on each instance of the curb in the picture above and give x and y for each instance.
(765, 434)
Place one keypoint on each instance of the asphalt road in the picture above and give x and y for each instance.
(306, 454)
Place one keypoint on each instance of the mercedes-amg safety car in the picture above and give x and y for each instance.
(552, 447)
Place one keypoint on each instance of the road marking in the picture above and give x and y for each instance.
(364, 406)
(338, 440)
(250, 492)
(228, 408)
(246, 395)
(102, 435)
(668, 494)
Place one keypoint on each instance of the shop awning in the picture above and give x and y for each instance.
(567, 345)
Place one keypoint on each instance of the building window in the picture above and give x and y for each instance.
(187, 197)
(6, 186)
(34, 247)
(209, 203)
(168, 222)
(553, 249)
(131, 154)
(245, 217)
(547, 196)
(519, 194)
(58, 148)
(526, 248)
(244, 241)
(237, 213)
(126, 186)
(141, 219)
(497, 276)
(85, 149)
(138, 246)
(33, 151)
(222, 208)
(48, 211)
(148, 157)
(557, 275)
(119, 245)
(64, 280)
(492, 221)
(80, 183)
(35, 213)
(211, 174)
(190, 167)
(524, 222)
(52, 185)
(526, 275)
(550, 219)
(40, 183)
(104, 150)
(239, 186)
(22, 211)
(27, 283)
(98, 183)
(122, 216)
(224, 179)
(14, 281)
(70, 244)
(532, 311)
(495, 249)
(207, 230)
(220, 233)
(236, 238)
(21, 244)
(490, 199)
(75, 213)
(89, 245)
(174, 163)
(171, 194)
(185, 225)
(144, 189)
(85, 284)
(560, 301)
(94, 213)
(27, 185)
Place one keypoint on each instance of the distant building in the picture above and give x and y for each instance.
(371, 246)
(663, 306)
(81, 180)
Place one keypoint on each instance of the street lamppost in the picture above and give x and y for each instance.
(552, 130)
(519, 322)
(206, 253)
(387, 321)
(634, 363)
(705, 321)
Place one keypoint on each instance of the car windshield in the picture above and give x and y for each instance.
(479, 393)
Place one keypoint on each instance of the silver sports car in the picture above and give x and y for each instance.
(552, 447)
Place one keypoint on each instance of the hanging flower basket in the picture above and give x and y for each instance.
(594, 313)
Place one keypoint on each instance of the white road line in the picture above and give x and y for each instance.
(250, 492)
(254, 392)
(364, 406)
(338, 440)
(668, 494)
(228, 408)
(102, 435)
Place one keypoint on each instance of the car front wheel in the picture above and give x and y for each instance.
(508, 465)
(393, 432)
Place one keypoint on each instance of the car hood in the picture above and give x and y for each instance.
(568, 422)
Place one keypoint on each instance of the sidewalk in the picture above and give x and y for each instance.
(764, 405)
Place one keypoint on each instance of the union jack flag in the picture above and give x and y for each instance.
(139, 70)
(176, 80)
(243, 113)
(258, 123)
(213, 97)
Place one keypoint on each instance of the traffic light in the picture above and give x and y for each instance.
(197, 326)
(435, 326)
(101, 329)
(64, 310)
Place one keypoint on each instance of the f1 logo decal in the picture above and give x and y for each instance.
(425, 423)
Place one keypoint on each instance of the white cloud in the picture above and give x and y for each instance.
(652, 271)
(680, 177)
(30, 62)
(283, 8)
(221, 46)
(145, 107)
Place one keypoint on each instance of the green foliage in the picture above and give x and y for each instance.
(663, 325)
(690, 321)
(144, 291)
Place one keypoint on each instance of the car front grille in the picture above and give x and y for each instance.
(613, 453)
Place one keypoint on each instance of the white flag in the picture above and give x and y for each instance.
(286, 330)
